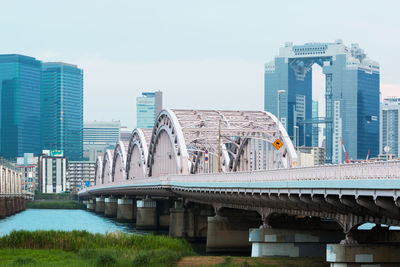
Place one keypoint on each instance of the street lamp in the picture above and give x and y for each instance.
(279, 92)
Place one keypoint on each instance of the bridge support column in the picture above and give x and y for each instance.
(110, 207)
(9, 206)
(230, 233)
(91, 205)
(163, 207)
(290, 242)
(363, 255)
(146, 217)
(189, 222)
(99, 206)
(366, 248)
(3, 208)
(126, 211)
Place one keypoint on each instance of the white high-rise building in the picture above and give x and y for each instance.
(389, 126)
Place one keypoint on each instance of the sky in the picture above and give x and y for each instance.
(207, 54)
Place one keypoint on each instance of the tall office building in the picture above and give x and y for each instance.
(62, 109)
(98, 136)
(315, 128)
(148, 106)
(351, 99)
(19, 105)
(125, 134)
(390, 126)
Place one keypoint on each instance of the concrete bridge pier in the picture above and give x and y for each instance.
(99, 206)
(189, 222)
(163, 207)
(91, 206)
(378, 247)
(228, 231)
(126, 210)
(10, 209)
(146, 217)
(268, 242)
(3, 208)
(110, 207)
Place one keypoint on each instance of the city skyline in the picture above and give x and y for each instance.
(220, 51)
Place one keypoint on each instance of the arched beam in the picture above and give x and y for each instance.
(107, 167)
(137, 155)
(119, 162)
(168, 124)
(99, 171)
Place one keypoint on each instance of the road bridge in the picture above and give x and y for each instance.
(220, 176)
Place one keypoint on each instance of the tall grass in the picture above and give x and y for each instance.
(77, 240)
(112, 249)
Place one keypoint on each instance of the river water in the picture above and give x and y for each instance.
(67, 220)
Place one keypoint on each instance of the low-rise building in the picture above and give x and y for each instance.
(28, 165)
(52, 167)
(310, 156)
(80, 174)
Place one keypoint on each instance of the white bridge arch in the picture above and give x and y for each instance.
(181, 139)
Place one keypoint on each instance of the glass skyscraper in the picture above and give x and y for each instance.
(351, 97)
(148, 106)
(62, 109)
(20, 105)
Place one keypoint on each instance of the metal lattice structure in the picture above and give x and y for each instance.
(200, 141)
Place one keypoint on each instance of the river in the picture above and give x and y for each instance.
(67, 220)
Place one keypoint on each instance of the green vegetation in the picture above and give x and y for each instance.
(81, 248)
(56, 204)
(55, 196)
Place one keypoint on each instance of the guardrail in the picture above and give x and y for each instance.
(355, 171)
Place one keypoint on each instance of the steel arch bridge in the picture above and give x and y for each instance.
(181, 139)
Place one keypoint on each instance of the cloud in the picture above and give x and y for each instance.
(111, 88)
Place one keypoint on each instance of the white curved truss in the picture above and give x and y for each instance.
(137, 154)
(99, 170)
(256, 151)
(119, 162)
(107, 166)
(234, 140)
(167, 148)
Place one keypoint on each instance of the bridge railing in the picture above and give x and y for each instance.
(374, 170)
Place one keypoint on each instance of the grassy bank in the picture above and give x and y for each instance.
(55, 204)
(80, 248)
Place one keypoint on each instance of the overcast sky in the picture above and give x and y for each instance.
(206, 54)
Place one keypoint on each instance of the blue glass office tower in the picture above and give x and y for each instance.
(351, 97)
(19, 105)
(148, 106)
(62, 109)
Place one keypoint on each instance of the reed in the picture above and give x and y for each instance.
(77, 240)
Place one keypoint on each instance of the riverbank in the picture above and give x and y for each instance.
(55, 204)
(81, 248)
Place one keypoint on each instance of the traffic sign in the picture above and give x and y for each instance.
(277, 144)
(206, 158)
